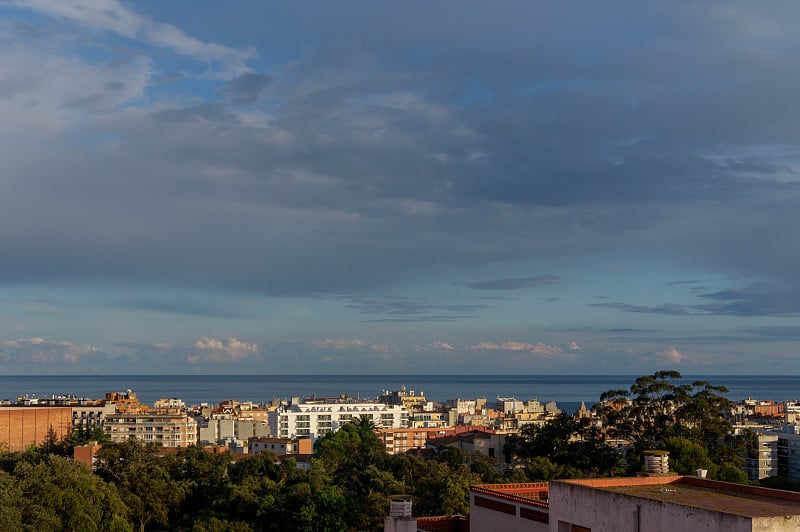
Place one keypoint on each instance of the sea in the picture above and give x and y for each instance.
(568, 391)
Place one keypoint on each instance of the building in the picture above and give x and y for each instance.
(167, 424)
(762, 461)
(656, 504)
(403, 440)
(401, 397)
(227, 429)
(23, 426)
(474, 441)
(280, 446)
(638, 504)
(510, 507)
(317, 419)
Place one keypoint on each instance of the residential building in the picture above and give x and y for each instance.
(405, 439)
(474, 441)
(167, 424)
(317, 419)
(280, 446)
(762, 461)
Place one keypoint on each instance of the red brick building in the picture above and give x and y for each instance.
(21, 426)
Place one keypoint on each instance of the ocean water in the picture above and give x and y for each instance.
(567, 390)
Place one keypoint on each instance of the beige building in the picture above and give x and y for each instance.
(167, 424)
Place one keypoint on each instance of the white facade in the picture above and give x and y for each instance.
(316, 420)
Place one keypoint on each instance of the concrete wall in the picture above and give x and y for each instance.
(776, 524)
(505, 515)
(605, 511)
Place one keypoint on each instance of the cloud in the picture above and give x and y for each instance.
(755, 300)
(212, 350)
(444, 346)
(351, 343)
(516, 283)
(671, 355)
(113, 16)
(41, 351)
(666, 308)
(397, 309)
(247, 88)
(539, 348)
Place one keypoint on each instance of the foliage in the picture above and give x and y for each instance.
(51, 493)
(693, 421)
(562, 448)
(143, 481)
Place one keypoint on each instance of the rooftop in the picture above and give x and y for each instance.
(722, 497)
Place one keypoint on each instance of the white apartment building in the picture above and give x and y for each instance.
(317, 419)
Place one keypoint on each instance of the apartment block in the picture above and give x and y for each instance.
(317, 419)
(168, 424)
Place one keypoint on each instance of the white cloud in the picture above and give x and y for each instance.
(42, 351)
(442, 345)
(113, 16)
(671, 355)
(572, 346)
(538, 348)
(228, 350)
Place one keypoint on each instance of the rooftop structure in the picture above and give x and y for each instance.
(669, 503)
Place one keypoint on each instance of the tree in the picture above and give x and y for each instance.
(686, 456)
(142, 479)
(62, 495)
(646, 415)
(562, 447)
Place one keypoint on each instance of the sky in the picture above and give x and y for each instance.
(453, 187)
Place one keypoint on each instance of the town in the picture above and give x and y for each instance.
(514, 450)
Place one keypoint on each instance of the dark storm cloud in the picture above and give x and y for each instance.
(516, 283)
(247, 88)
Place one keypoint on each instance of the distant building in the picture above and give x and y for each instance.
(410, 399)
(317, 419)
(167, 424)
(405, 439)
(280, 446)
(762, 461)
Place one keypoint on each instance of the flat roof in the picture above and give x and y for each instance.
(722, 497)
